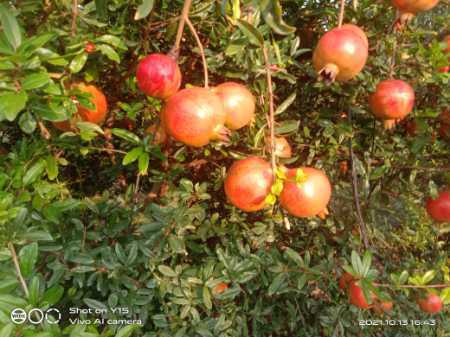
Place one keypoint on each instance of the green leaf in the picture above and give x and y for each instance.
(272, 14)
(253, 34)
(294, 256)
(167, 271)
(144, 160)
(34, 172)
(144, 9)
(51, 167)
(112, 40)
(11, 104)
(127, 331)
(132, 155)
(126, 135)
(37, 235)
(28, 257)
(207, 298)
(78, 62)
(109, 52)
(7, 330)
(286, 104)
(10, 26)
(428, 276)
(27, 122)
(94, 304)
(34, 291)
(367, 261)
(357, 264)
(277, 284)
(53, 295)
(36, 80)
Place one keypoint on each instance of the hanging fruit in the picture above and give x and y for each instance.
(248, 183)
(409, 8)
(356, 296)
(431, 304)
(158, 75)
(307, 195)
(238, 102)
(439, 208)
(392, 101)
(96, 115)
(195, 116)
(341, 54)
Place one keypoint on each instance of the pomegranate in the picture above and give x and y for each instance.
(282, 147)
(409, 8)
(340, 54)
(158, 75)
(358, 31)
(392, 101)
(238, 103)
(220, 288)
(356, 296)
(308, 198)
(194, 116)
(248, 183)
(439, 208)
(431, 304)
(96, 116)
(345, 280)
(89, 47)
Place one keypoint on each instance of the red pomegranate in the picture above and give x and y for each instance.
(158, 75)
(248, 183)
(345, 280)
(439, 208)
(89, 47)
(392, 101)
(308, 198)
(409, 8)
(220, 288)
(340, 54)
(238, 103)
(431, 304)
(358, 31)
(96, 116)
(356, 296)
(194, 117)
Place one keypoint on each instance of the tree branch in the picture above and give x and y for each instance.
(202, 50)
(17, 266)
(73, 29)
(341, 13)
(184, 15)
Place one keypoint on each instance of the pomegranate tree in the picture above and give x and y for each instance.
(439, 208)
(96, 115)
(158, 75)
(248, 183)
(341, 54)
(194, 116)
(392, 101)
(431, 304)
(238, 103)
(309, 197)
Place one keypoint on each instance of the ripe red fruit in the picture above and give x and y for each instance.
(220, 288)
(439, 209)
(238, 103)
(248, 183)
(358, 31)
(431, 304)
(158, 75)
(414, 6)
(345, 280)
(96, 116)
(356, 296)
(89, 47)
(392, 101)
(194, 116)
(308, 198)
(340, 54)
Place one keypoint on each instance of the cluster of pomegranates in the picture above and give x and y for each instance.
(305, 191)
(430, 303)
(194, 116)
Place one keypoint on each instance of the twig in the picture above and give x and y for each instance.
(362, 224)
(44, 131)
(17, 266)
(271, 119)
(412, 286)
(184, 14)
(202, 50)
(73, 29)
(394, 55)
(341, 13)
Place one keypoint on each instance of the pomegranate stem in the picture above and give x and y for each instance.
(184, 14)
(202, 51)
(341, 13)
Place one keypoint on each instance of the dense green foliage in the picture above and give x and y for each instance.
(154, 234)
